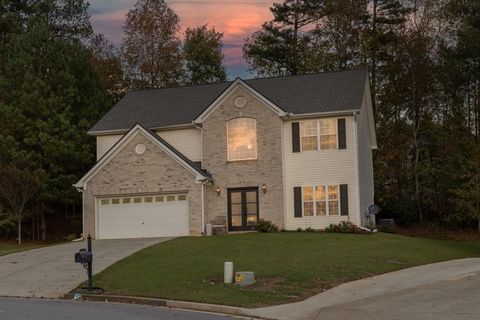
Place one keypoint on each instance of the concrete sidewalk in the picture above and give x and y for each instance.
(372, 287)
(50, 272)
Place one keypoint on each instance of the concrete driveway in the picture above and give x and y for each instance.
(50, 272)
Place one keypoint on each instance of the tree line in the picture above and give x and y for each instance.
(424, 62)
(57, 78)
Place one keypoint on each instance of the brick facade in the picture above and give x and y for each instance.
(267, 169)
(152, 172)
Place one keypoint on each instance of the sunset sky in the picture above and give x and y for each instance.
(237, 19)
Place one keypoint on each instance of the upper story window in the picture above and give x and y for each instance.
(241, 139)
(318, 134)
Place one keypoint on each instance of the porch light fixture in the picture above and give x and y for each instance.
(218, 190)
(264, 188)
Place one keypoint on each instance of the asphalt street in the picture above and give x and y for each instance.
(45, 309)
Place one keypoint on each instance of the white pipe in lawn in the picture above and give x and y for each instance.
(228, 272)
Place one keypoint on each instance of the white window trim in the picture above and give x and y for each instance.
(256, 139)
(319, 147)
(314, 201)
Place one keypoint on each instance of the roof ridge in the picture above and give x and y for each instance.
(250, 79)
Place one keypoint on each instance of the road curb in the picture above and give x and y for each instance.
(205, 307)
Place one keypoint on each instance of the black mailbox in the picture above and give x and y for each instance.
(83, 256)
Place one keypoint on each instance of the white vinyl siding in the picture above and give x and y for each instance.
(365, 162)
(105, 143)
(330, 167)
(187, 141)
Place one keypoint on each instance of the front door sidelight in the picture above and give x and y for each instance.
(242, 209)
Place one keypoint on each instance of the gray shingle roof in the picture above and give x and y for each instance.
(156, 108)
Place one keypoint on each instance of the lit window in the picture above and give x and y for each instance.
(323, 202)
(116, 201)
(242, 139)
(105, 201)
(309, 135)
(320, 201)
(170, 198)
(318, 134)
(308, 201)
(333, 209)
(328, 134)
(182, 197)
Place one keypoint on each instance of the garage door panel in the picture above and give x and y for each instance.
(142, 219)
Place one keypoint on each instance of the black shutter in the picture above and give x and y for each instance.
(342, 136)
(297, 199)
(344, 199)
(295, 137)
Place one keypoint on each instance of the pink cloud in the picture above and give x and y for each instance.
(235, 19)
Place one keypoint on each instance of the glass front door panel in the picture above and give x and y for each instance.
(243, 209)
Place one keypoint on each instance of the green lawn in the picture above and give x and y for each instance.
(11, 247)
(288, 266)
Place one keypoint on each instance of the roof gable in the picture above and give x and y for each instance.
(228, 91)
(166, 147)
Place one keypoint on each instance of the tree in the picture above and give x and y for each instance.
(17, 187)
(342, 29)
(285, 44)
(202, 49)
(50, 96)
(151, 49)
(106, 60)
(67, 19)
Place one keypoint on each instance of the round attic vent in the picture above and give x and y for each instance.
(140, 148)
(240, 101)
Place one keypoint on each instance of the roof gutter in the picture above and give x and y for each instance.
(320, 114)
(123, 131)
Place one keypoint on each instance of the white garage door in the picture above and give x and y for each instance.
(142, 216)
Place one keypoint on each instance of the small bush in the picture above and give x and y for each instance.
(344, 227)
(310, 230)
(265, 226)
(299, 230)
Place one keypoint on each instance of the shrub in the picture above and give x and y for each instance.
(265, 226)
(310, 230)
(344, 227)
(299, 230)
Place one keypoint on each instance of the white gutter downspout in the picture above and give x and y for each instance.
(82, 190)
(357, 177)
(203, 208)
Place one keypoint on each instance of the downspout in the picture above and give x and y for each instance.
(82, 190)
(357, 168)
(203, 207)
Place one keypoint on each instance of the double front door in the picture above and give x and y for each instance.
(242, 209)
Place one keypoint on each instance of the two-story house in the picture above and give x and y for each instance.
(295, 150)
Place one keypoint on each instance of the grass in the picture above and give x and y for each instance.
(11, 247)
(288, 266)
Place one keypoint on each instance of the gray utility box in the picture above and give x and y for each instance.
(244, 278)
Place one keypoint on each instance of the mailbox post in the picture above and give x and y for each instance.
(89, 270)
(85, 258)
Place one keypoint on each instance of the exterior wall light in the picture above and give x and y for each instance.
(218, 190)
(264, 188)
